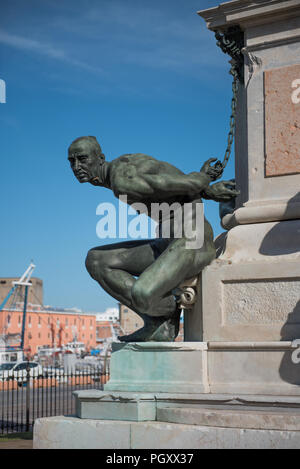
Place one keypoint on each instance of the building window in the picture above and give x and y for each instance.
(39, 335)
(29, 319)
(39, 320)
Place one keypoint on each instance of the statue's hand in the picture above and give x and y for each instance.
(223, 191)
(215, 171)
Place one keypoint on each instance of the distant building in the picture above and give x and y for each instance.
(45, 328)
(129, 320)
(111, 314)
(35, 291)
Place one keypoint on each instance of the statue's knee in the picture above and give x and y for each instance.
(140, 298)
(93, 263)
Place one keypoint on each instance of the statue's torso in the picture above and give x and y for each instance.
(131, 166)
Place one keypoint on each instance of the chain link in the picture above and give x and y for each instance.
(232, 124)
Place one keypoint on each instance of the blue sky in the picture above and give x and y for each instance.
(142, 76)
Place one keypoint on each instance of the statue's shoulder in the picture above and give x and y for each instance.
(133, 158)
(136, 161)
(140, 163)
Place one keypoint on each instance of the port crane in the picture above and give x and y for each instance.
(15, 291)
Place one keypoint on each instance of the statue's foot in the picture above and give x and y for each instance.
(156, 329)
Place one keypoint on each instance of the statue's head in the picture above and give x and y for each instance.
(86, 158)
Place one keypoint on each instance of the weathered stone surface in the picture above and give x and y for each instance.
(260, 302)
(101, 405)
(282, 120)
(175, 436)
(253, 368)
(75, 433)
(158, 367)
(272, 419)
(261, 290)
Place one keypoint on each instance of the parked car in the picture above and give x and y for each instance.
(18, 370)
(52, 371)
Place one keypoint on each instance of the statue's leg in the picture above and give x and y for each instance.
(116, 266)
(155, 285)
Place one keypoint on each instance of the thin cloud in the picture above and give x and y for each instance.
(47, 50)
(143, 36)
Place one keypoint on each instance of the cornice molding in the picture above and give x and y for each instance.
(249, 13)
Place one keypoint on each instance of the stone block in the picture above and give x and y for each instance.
(178, 367)
(253, 368)
(161, 435)
(282, 90)
(74, 433)
(267, 419)
(101, 405)
(255, 299)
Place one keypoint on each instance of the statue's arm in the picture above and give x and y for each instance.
(178, 184)
(161, 185)
(190, 184)
(154, 180)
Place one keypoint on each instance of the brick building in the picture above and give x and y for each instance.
(48, 328)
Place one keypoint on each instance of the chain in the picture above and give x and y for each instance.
(232, 124)
(231, 43)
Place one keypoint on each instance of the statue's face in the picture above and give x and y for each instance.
(84, 161)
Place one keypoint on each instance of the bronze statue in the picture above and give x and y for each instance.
(143, 274)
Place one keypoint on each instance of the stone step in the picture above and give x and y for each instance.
(267, 419)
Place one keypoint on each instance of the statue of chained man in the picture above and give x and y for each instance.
(144, 274)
